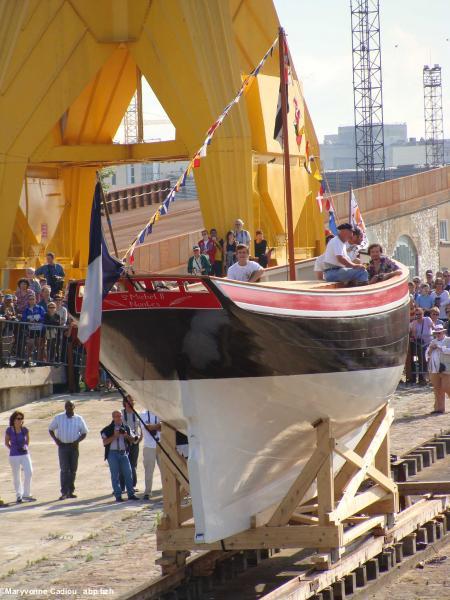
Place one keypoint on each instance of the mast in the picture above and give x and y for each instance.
(350, 204)
(287, 165)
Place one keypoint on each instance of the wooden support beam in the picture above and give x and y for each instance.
(361, 502)
(325, 475)
(348, 470)
(362, 464)
(303, 519)
(370, 470)
(358, 530)
(290, 536)
(181, 473)
(298, 489)
(424, 487)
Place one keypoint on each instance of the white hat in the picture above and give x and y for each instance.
(439, 328)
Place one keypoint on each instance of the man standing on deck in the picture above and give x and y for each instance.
(245, 269)
(337, 263)
(70, 431)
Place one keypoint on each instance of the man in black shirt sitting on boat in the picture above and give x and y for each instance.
(337, 263)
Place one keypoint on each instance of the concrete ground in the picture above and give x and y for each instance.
(90, 544)
(50, 540)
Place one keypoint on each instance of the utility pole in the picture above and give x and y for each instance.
(434, 124)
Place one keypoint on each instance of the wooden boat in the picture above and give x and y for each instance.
(246, 369)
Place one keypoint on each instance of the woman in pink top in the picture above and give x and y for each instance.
(22, 292)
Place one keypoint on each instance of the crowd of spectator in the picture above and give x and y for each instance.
(428, 359)
(33, 317)
(213, 255)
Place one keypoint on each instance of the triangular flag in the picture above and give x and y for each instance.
(332, 223)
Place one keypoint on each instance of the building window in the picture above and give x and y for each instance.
(406, 253)
(113, 179)
(443, 230)
(131, 175)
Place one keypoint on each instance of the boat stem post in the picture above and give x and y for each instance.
(286, 157)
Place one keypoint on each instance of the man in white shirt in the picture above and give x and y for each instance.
(244, 269)
(354, 245)
(338, 266)
(151, 434)
(70, 431)
(319, 262)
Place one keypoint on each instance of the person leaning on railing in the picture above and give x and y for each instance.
(51, 322)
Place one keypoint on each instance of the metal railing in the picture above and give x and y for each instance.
(36, 344)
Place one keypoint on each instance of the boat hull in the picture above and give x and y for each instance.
(245, 371)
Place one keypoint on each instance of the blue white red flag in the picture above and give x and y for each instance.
(102, 273)
(332, 223)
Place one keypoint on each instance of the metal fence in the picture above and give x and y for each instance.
(33, 344)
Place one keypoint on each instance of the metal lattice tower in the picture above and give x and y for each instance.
(133, 121)
(434, 125)
(367, 91)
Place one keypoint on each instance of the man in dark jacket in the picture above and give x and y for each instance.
(116, 440)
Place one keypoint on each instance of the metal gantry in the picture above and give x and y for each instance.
(367, 91)
(434, 125)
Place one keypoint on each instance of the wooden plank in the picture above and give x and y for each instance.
(371, 470)
(303, 519)
(348, 470)
(171, 487)
(181, 477)
(301, 590)
(325, 475)
(424, 487)
(415, 516)
(294, 536)
(360, 475)
(362, 502)
(358, 530)
(298, 489)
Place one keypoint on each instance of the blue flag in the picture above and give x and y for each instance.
(332, 223)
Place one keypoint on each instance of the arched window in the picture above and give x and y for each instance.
(406, 253)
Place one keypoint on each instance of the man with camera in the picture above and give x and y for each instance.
(129, 418)
(117, 440)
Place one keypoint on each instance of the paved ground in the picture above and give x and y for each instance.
(91, 543)
(87, 543)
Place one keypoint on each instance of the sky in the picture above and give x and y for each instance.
(413, 33)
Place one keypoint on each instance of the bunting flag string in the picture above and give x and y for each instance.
(163, 209)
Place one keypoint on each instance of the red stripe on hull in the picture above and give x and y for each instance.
(280, 299)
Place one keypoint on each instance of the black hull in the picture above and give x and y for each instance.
(171, 344)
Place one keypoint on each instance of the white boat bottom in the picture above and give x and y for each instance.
(250, 437)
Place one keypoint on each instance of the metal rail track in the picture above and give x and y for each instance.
(372, 561)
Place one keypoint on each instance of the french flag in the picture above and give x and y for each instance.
(102, 273)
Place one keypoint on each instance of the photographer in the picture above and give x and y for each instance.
(129, 418)
(117, 439)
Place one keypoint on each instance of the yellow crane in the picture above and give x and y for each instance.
(67, 75)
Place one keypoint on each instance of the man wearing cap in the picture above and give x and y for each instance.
(338, 267)
(198, 264)
(354, 245)
(241, 235)
(34, 315)
(438, 357)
